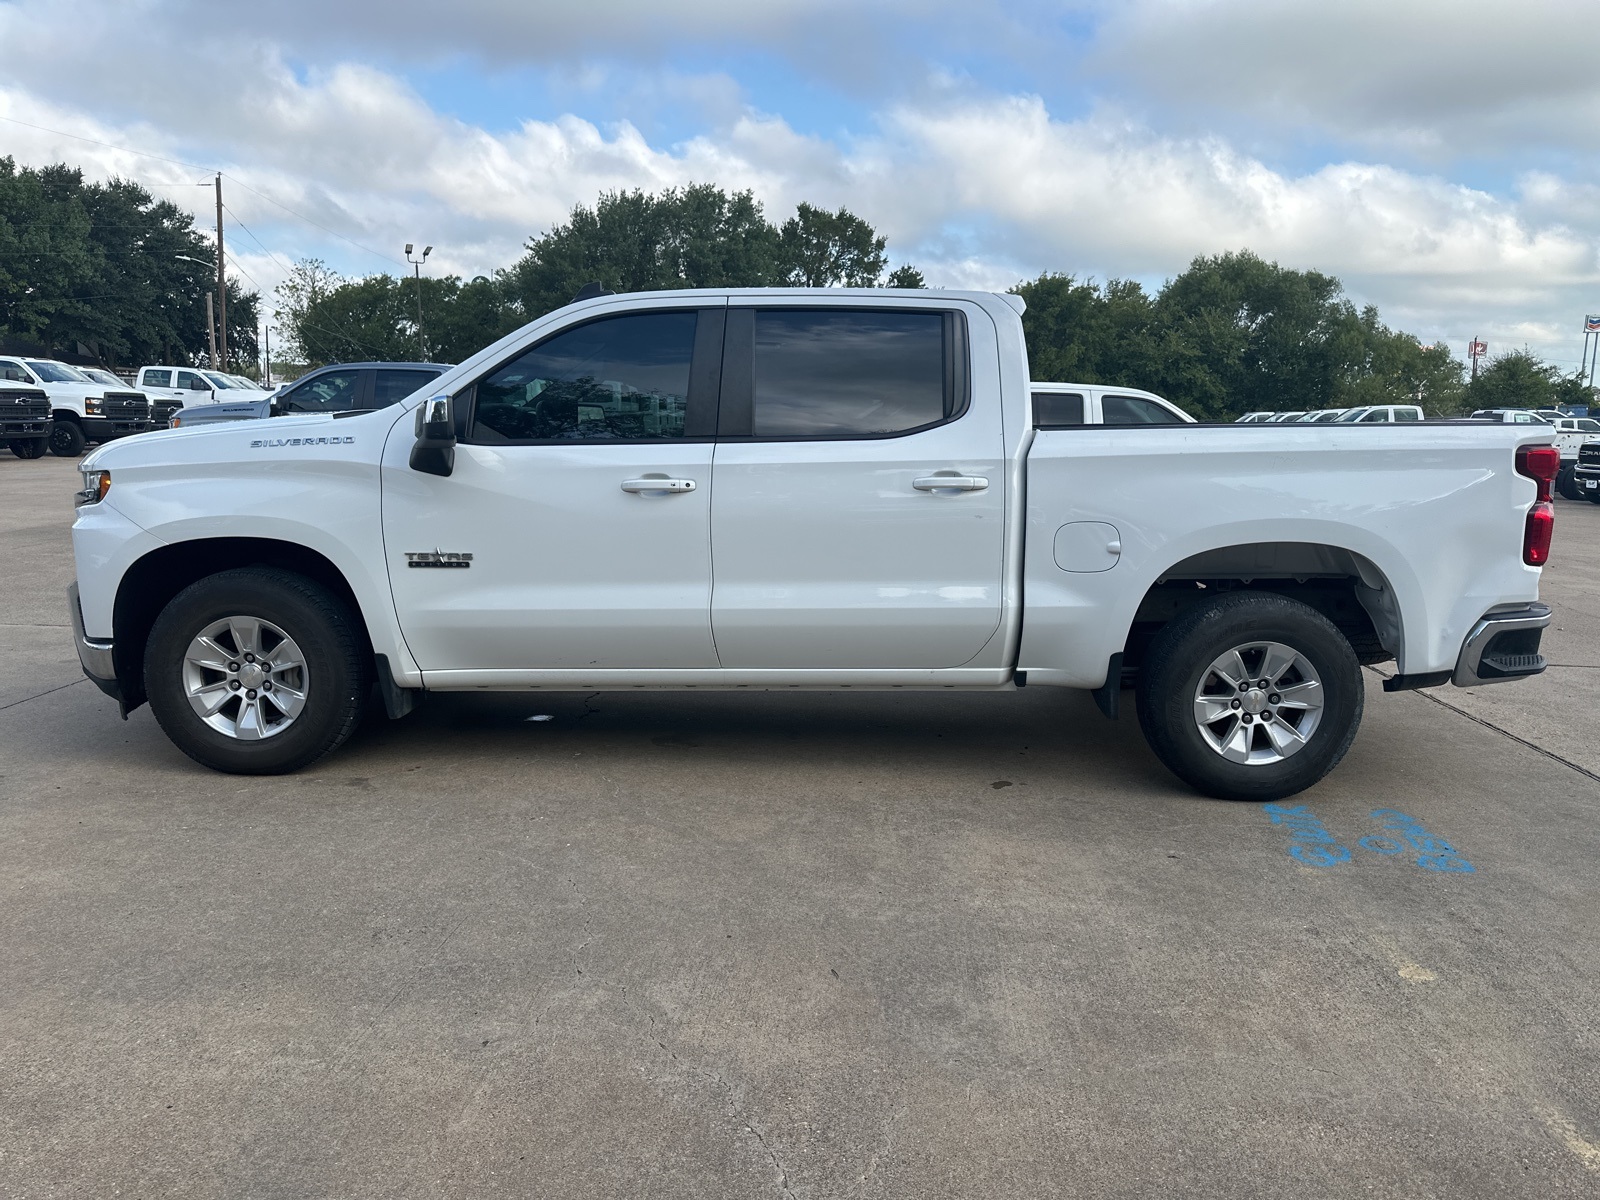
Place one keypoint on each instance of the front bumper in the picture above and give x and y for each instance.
(95, 656)
(1587, 477)
(38, 427)
(103, 429)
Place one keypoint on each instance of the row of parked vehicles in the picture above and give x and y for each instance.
(55, 407)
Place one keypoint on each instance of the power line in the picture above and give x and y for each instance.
(197, 166)
(309, 221)
(77, 137)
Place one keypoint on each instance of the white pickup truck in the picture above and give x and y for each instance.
(801, 489)
(82, 409)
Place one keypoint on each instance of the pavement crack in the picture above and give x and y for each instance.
(58, 688)
(1534, 746)
(879, 1154)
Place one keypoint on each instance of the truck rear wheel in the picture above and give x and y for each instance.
(66, 439)
(29, 447)
(1567, 483)
(1252, 696)
(256, 671)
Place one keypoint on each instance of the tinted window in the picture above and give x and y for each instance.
(390, 386)
(332, 391)
(157, 379)
(1377, 414)
(190, 381)
(1406, 414)
(1057, 410)
(845, 373)
(1136, 410)
(616, 379)
(13, 372)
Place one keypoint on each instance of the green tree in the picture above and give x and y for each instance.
(691, 237)
(905, 276)
(108, 269)
(1515, 380)
(818, 248)
(1231, 334)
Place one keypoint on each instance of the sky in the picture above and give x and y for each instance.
(1439, 158)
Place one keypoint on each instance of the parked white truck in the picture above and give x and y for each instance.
(82, 410)
(801, 489)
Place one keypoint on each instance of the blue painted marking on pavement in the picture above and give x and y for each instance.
(1433, 853)
(1309, 842)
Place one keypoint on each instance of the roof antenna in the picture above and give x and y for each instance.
(590, 290)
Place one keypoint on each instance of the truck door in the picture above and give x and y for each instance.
(575, 530)
(857, 519)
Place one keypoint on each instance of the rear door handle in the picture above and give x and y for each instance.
(950, 483)
(658, 485)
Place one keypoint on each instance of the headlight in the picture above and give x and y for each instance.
(94, 406)
(95, 486)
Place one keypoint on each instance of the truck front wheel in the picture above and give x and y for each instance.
(1252, 696)
(256, 671)
(29, 447)
(66, 438)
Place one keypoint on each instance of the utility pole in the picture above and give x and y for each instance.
(422, 349)
(222, 279)
(211, 330)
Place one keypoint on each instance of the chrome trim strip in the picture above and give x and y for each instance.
(95, 656)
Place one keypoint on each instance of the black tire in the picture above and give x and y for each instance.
(1592, 497)
(1567, 484)
(66, 439)
(29, 447)
(1180, 657)
(338, 664)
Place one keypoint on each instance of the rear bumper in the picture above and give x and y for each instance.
(1503, 645)
(94, 655)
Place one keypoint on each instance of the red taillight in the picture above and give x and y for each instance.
(1540, 464)
(1536, 534)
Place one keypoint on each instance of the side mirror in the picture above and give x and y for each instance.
(435, 451)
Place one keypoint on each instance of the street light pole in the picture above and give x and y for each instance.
(422, 349)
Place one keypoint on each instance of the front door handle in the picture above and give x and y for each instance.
(658, 485)
(950, 483)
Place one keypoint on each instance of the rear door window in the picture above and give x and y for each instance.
(390, 385)
(845, 373)
(1406, 414)
(157, 379)
(1136, 410)
(1057, 410)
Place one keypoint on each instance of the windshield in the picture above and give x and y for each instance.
(102, 376)
(248, 384)
(54, 372)
(222, 381)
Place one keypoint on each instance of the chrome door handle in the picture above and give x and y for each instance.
(950, 483)
(658, 485)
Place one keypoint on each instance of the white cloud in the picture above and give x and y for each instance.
(1446, 80)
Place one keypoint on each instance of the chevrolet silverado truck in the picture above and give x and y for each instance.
(82, 411)
(24, 419)
(778, 489)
